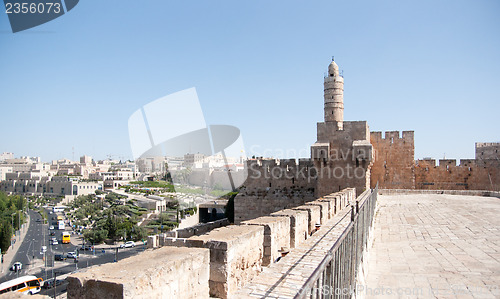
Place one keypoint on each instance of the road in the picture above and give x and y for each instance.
(33, 238)
(38, 235)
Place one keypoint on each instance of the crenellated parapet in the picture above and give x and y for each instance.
(265, 174)
(393, 137)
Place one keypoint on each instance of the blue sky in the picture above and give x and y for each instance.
(428, 66)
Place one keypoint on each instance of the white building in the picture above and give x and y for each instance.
(39, 183)
(4, 170)
(5, 156)
(151, 165)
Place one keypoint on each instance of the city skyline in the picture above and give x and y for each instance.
(258, 66)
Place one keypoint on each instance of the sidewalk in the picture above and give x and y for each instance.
(11, 252)
(77, 240)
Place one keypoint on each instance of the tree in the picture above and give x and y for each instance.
(96, 236)
(5, 235)
(111, 226)
(139, 233)
(229, 212)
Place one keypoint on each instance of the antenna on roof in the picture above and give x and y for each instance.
(333, 58)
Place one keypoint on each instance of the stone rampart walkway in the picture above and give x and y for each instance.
(435, 246)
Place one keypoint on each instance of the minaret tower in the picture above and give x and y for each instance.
(334, 96)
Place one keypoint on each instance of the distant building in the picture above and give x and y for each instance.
(151, 165)
(3, 171)
(191, 159)
(39, 183)
(5, 156)
(85, 159)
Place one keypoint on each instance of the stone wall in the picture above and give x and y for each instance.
(273, 185)
(395, 167)
(394, 162)
(468, 175)
(161, 273)
(263, 195)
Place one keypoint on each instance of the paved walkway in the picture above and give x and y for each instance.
(435, 246)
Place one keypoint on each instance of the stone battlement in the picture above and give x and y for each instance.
(392, 136)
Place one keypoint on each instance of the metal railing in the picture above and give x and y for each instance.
(335, 277)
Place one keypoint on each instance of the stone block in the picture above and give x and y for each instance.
(324, 210)
(276, 235)
(167, 272)
(299, 225)
(314, 216)
(236, 253)
(153, 241)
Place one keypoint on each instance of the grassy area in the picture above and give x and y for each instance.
(154, 184)
(219, 193)
(187, 190)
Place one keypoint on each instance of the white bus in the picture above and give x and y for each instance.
(58, 209)
(61, 224)
(28, 285)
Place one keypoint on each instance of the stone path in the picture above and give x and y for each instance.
(435, 246)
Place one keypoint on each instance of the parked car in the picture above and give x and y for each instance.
(44, 248)
(51, 227)
(128, 244)
(87, 247)
(38, 220)
(54, 242)
(52, 233)
(59, 257)
(17, 266)
(71, 255)
(49, 284)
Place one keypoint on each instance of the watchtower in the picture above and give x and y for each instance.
(334, 96)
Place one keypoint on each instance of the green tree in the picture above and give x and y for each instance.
(139, 233)
(229, 212)
(96, 236)
(5, 235)
(111, 226)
